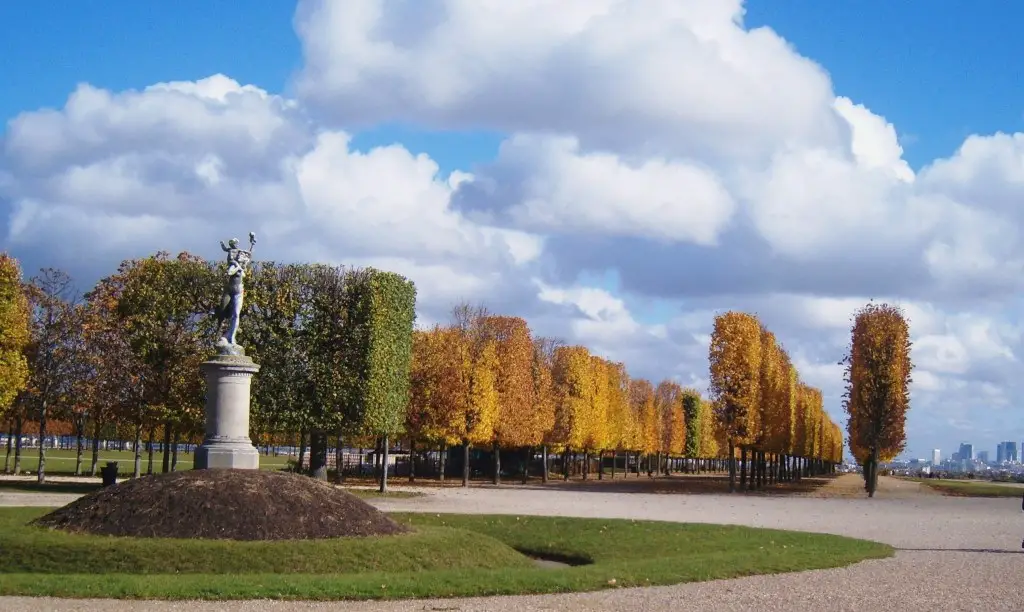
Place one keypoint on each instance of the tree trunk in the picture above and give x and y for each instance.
(600, 465)
(318, 454)
(444, 461)
(96, 427)
(565, 464)
(302, 450)
(412, 460)
(10, 443)
(41, 470)
(743, 468)
(174, 451)
(527, 457)
(615, 458)
(165, 466)
(384, 466)
(465, 463)
(339, 457)
(497, 464)
(79, 444)
(138, 450)
(544, 461)
(149, 450)
(732, 467)
(586, 465)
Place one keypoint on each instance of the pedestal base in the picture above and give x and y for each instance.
(227, 443)
(214, 454)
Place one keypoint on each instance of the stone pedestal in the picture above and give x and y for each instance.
(227, 443)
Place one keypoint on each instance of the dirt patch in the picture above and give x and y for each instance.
(222, 504)
(852, 486)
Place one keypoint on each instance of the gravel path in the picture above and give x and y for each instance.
(955, 553)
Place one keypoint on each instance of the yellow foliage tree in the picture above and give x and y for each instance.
(572, 383)
(14, 332)
(735, 363)
(517, 424)
(878, 376)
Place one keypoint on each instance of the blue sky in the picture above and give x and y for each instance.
(933, 68)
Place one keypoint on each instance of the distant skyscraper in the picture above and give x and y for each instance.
(1001, 452)
(1006, 451)
(966, 451)
(936, 456)
(983, 456)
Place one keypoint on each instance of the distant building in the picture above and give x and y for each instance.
(966, 451)
(983, 456)
(936, 456)
(955, 457)
(1006, 452)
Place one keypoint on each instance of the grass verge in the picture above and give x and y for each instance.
(962, 488)
(61, 462)
(616, 553)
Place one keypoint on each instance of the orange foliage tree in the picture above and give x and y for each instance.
(878, 376)
(735, 363)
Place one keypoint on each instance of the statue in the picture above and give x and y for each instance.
(230, 306)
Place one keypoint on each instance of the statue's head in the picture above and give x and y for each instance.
(233, 243)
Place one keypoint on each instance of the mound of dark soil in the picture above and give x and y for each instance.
(222, 504)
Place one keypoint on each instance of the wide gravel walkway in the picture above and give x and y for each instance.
(954, 553)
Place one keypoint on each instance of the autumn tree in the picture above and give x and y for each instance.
(878, 376)
(642, 405)
(113, 385)
(735, 364)
(544, 394)
(669, 400)
(14, 333)
(51, 297)
(621, 425)
(477, 355)
(516, 425)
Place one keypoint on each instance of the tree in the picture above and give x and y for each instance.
(477, 357)
(544, 394)
(165, 306)
(278, 310)
(380, 314)
(574, 409)
(621, 425)
(113, 384)
(735, 363)
(692, 418)
(516, 425)
(15, 332)
(49, 353)
(669, 400)
(878, 376)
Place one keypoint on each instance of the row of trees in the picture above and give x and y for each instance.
(763, 408)
(341, 361)
(878, 377)
(485, 380)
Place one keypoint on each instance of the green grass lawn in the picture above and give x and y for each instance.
(966, 488)
(62, 462)
(447, 555)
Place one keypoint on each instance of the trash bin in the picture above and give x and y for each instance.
(109, 473)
